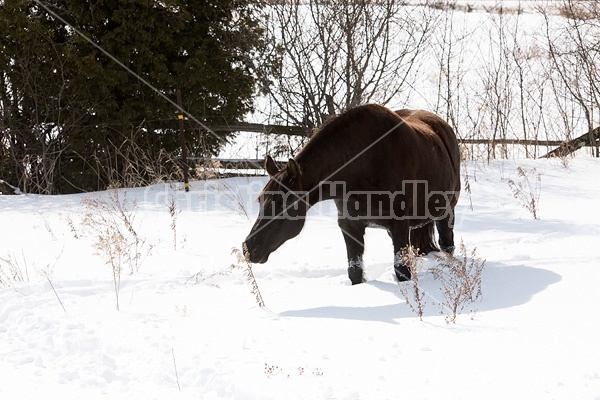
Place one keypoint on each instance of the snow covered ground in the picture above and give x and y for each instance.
(190, 328)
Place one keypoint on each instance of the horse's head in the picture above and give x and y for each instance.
(283, 208)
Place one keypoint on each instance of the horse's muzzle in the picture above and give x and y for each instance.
(254, 253)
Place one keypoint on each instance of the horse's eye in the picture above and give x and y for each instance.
(277, 204)
(268, 208)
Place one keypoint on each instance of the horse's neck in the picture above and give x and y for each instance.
(323, 165)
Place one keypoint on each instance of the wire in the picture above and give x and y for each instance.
(145, 82)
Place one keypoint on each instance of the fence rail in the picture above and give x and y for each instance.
(289, 130)
(563, 148)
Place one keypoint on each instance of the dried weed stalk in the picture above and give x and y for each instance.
(111, 219)
(71, 225)
(208, 170)
(527, 189)
(460, 279)
(411, 291)
(47, 225)
(173, 212)
(11, 270)
(243, 260)
(233, 199)
(201, 277)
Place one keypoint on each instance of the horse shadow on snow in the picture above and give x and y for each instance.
(503, 286)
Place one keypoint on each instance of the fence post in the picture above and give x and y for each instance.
(186, 183)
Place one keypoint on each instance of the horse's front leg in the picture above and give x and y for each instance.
(354, 236)
(400, 237)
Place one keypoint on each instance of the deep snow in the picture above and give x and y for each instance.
(187, 316)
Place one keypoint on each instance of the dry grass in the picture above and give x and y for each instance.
(243, 263)
(411, 291)
(112, 221)
(13, 270)
(173, 212)
(207, 170)
(460, 279)
(527, 189)
(580, 10)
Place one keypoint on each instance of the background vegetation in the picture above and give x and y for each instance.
(72, 119)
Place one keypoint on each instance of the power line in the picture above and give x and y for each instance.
(129, 70)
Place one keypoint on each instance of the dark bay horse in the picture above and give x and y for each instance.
(396, 170)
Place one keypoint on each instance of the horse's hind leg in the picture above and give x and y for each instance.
(354, 236)
(445, 227)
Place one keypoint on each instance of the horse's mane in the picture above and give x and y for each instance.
(336, 125)
(326, 121)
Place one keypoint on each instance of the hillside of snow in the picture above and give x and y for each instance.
(188, 326)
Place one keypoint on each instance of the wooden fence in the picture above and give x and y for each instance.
(563, 148)
(305, 132)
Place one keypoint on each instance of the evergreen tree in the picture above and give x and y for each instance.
(73, 119)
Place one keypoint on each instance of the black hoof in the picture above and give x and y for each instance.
(449, 250)
(356, 275)
(402, 273)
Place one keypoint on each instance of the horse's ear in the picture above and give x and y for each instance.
(270, 166)
(293, 169)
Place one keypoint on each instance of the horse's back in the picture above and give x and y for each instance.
(428, 124)
(431, 132)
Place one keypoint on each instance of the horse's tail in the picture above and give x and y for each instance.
(423, 238)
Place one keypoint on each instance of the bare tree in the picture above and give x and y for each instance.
(450, 49)
(335, 55)
(525, 61)
(575, 56)
(497, 97)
